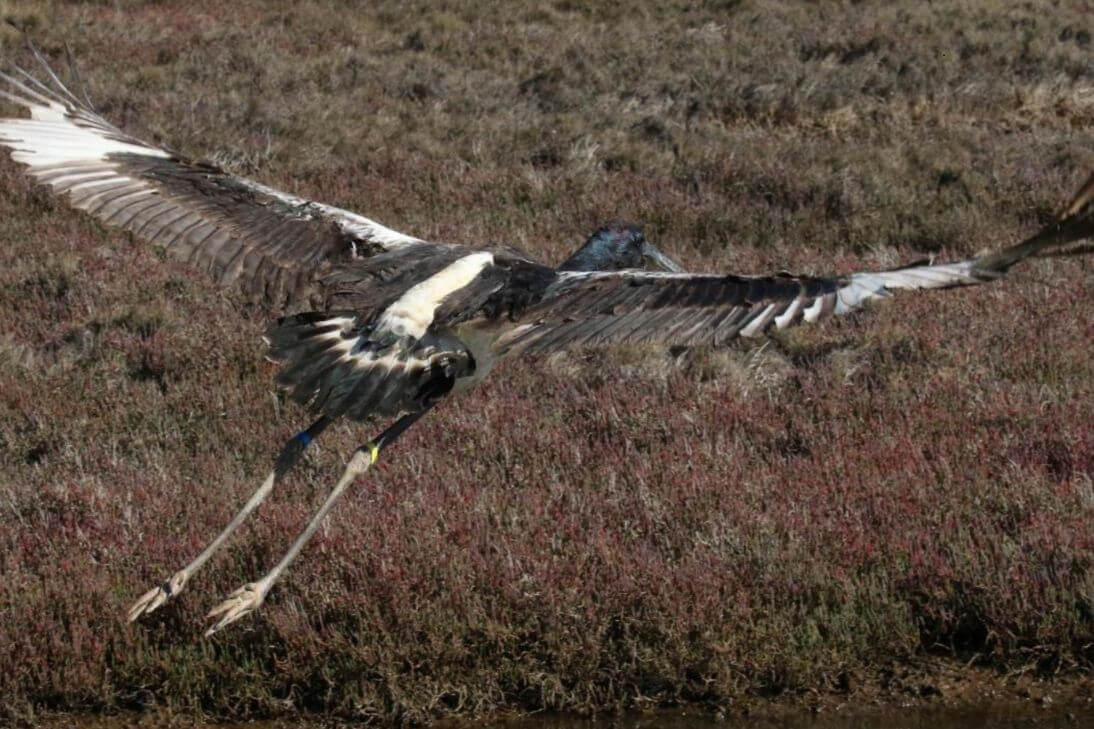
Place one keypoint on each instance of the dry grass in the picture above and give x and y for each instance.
(654, 528)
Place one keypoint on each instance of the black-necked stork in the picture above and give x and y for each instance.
(391, 324)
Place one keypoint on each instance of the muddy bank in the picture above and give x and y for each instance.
(932, 694)
(1000, 715)
(929, 694)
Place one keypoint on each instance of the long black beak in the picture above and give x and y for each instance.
(653, 254)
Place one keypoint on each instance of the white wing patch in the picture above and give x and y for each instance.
(71, 157)
(51, 138)
(866, 286)
(352, 223)
(412, 313)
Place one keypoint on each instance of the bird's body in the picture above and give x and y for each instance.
(378, 323)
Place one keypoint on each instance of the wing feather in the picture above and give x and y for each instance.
(594, 308)
(272, 243)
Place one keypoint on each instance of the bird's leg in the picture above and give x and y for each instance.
(288, 457)
(249, 597)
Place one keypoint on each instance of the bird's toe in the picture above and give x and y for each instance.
(157, 596)
(147, 602)
(245, 600)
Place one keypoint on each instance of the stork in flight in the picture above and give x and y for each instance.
(388, 324)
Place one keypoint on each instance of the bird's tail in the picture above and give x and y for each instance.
(1066, 236)
(330, 363)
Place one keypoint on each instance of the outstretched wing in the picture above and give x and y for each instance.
(273, 244)
(593, 308)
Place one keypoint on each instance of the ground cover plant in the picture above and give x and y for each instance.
(585, 531)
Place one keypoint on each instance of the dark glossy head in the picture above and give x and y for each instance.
(615, 247)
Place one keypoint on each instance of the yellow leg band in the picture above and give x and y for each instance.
(374, 452)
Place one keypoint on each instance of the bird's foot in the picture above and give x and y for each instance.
(241, 602)
(157, 596)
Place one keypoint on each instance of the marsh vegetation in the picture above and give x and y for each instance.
(815, 515)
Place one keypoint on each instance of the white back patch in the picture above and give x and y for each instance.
(412, 313)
